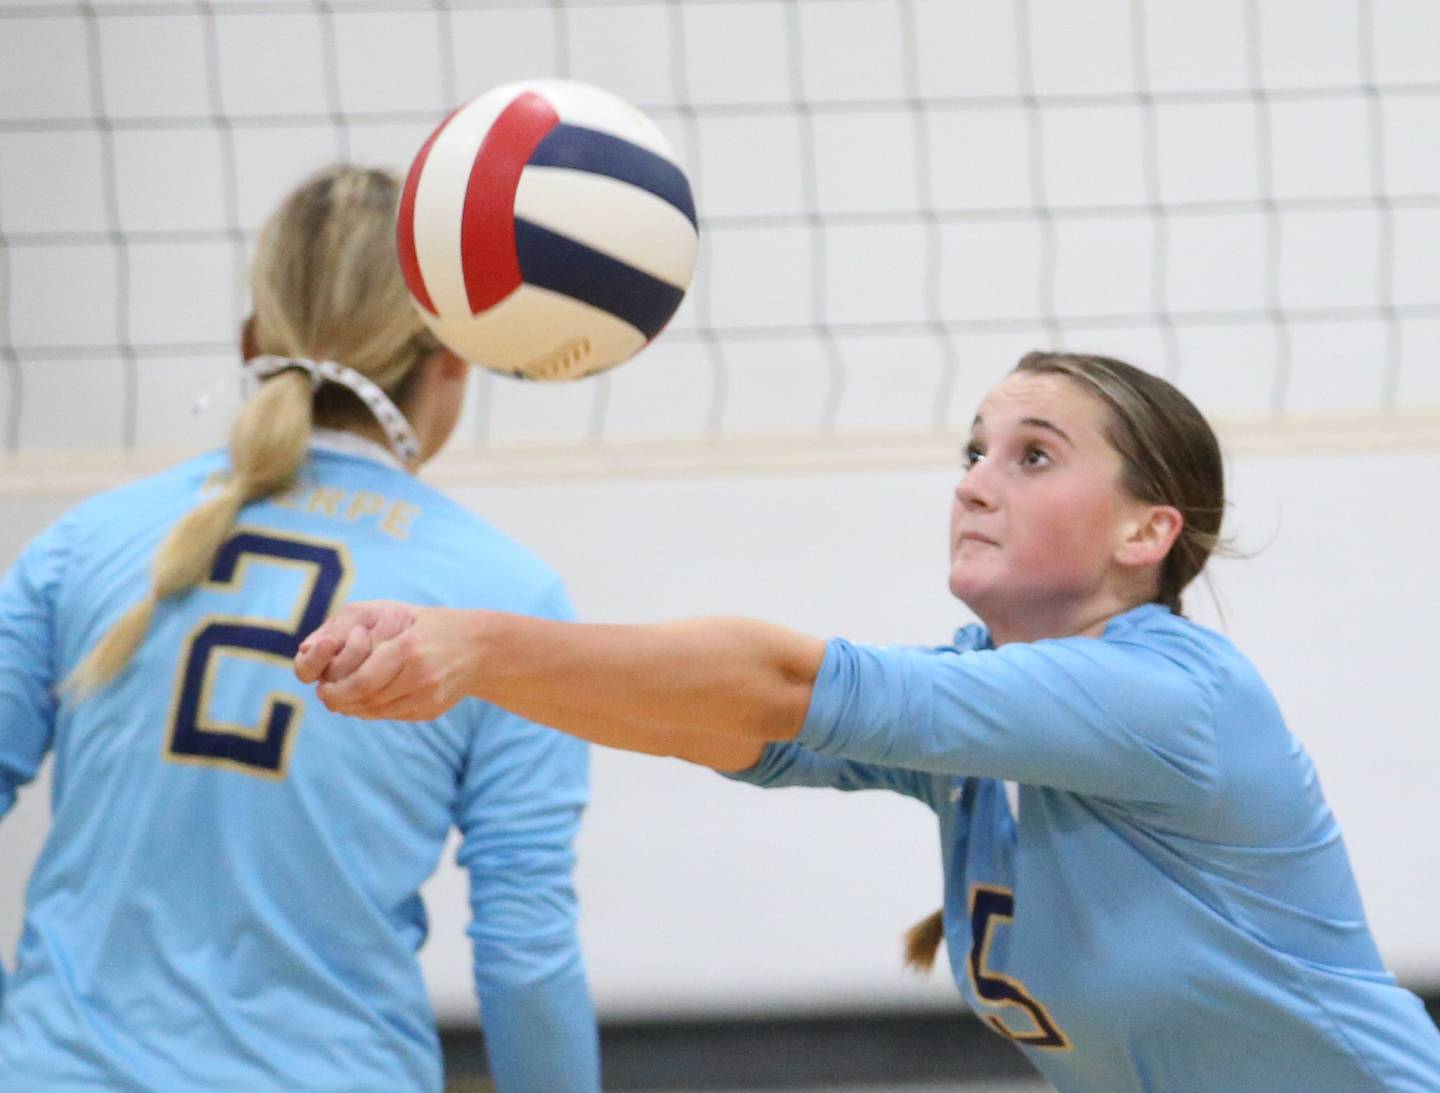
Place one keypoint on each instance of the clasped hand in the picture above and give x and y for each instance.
(385, 660)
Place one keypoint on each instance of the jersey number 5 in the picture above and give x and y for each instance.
(260, 749)
(990, 906)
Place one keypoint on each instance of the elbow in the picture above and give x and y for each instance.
(784, 716)
(764, 696)
(798, 669)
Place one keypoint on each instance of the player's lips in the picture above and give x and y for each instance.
(972, 537)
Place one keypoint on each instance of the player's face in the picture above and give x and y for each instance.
(1040, 510)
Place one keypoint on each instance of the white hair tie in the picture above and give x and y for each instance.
(397, 429)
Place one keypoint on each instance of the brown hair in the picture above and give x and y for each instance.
(1170, 457)
(326, 286)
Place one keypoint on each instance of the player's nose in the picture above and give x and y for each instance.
(975, 490)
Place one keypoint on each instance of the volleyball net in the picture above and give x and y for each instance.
(897, 198)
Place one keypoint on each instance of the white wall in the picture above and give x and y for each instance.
(704, 896)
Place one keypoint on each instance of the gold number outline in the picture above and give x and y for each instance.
(275, 701)
(1049, 1035)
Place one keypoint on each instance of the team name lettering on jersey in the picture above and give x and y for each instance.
(392, 516)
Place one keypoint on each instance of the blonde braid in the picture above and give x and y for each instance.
(268, 442)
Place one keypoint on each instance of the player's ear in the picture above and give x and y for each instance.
(1150, 535)
(450, 366)
(434, 409)
(248, 347)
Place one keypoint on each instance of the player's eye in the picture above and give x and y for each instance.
(1035, 456)
(973, 454)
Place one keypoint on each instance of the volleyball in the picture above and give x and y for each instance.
(546, 230)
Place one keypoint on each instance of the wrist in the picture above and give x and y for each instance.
(476, 634)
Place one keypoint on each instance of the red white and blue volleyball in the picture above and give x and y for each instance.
(546, 230)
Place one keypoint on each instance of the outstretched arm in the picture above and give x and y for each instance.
(709, 690)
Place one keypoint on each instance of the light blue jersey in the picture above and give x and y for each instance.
(228, 897)
(1174, 910)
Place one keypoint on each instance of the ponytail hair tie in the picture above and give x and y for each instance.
(397, 429)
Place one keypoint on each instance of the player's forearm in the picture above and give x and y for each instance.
(541, 1036)
(723, 753)
(649, 687)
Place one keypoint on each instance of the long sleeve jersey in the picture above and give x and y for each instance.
(228, 898)
(1173, 910)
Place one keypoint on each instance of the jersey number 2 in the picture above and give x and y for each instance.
(990, 906)
(261, 749)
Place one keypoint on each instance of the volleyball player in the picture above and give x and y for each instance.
(229, 896)
(1172, 909)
